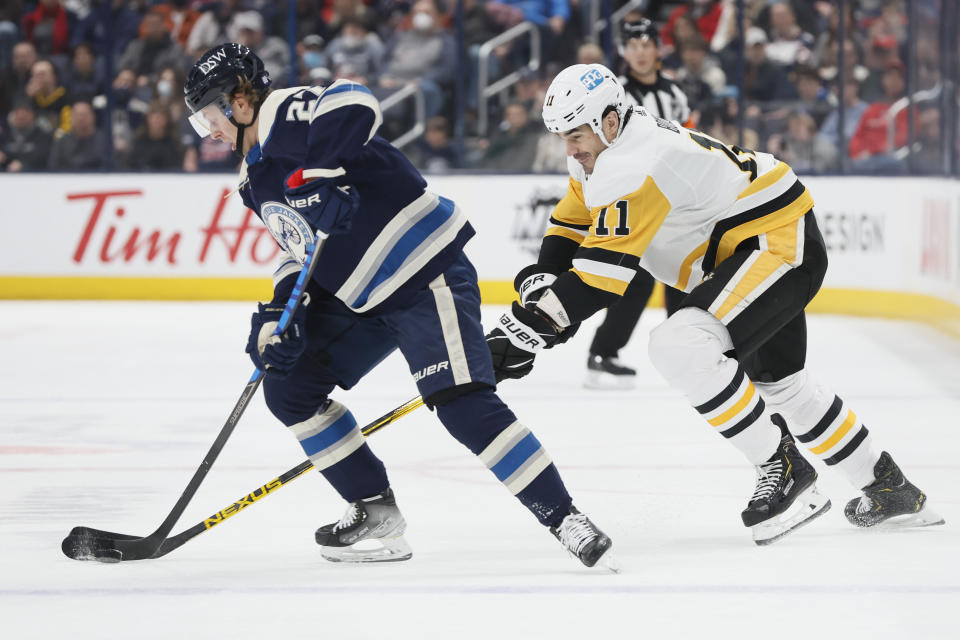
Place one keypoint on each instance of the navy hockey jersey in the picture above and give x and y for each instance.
(402, 237)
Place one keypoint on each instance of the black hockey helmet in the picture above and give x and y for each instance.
(642, 28)
(215, 76)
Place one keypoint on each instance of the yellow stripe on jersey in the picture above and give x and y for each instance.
(783, 241)
(764, 266)
(646, 209)
(766, 180)
(765, 222)
(571, 210)
(838, 435)
(606, 283)
(621, 231)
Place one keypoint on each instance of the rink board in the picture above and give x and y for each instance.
(894, 244)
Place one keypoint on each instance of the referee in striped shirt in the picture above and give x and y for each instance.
(647, 87)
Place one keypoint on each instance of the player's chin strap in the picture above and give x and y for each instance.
(623, 123)
(242, 127)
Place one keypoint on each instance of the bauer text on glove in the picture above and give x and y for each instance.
(329, 208)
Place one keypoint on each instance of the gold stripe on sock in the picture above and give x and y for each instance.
(837, 436)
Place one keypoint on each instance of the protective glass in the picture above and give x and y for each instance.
(214, 115)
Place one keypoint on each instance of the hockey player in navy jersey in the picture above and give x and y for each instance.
(391, 275)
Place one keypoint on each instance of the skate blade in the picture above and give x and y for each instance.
(609, 562)
(926, 517)
(808, 506)
(602, 381)
(370, 550)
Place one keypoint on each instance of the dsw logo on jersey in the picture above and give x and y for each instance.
(289, 229)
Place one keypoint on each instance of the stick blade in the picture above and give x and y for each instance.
(87, 547)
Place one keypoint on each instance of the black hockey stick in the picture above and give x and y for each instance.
(93, 544)
(81, 534)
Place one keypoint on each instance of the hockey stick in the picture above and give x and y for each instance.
(93, 544)
(174, 542)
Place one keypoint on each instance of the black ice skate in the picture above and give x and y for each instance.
(370, 531)
(584, 540)
(786, 496)
(608, 373)
(891, 501)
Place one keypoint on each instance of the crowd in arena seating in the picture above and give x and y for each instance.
(75, 72)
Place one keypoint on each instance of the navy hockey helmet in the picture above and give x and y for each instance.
(642, 28)
(215, 76)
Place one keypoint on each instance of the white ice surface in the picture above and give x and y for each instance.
(106, 409)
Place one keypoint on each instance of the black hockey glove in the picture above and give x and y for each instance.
(327, 207)
(276, 355)
(514, 343)
(531, 283)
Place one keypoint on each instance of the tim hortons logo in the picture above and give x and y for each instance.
(113, 235)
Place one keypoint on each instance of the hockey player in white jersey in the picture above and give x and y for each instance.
(734, 229)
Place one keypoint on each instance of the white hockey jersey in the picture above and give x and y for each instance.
(672, 200)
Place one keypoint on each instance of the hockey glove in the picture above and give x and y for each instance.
(531, 283)
(327, 207)
(276, 355)
(520, 334)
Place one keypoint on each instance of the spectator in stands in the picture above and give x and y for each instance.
(700, 77)
(706, 13)
(82, 149)
(853, 111)
(13, 81)
(211, 27)
(24, 146)
(514, 147)
(178, 20)
(156, 145)
(247, 29)
(813, 97)
(590, 53)
(11, 15)
(148, 55)
(307, 19)
(789, 45)
(927, 152)
(84, 76)
(800, 147)
(47, 28)
(424, 54)
(49, 96)
(881, 52)
(870, 144)
(762, 80)
(435, 152)
(312, 60)
(358, 47)
(129, 107)
(123, 23)
(550, 16)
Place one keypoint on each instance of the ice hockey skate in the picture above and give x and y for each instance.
(584, 540)
(891, 501)
(786, 495)
(370, 531)
(609, 373)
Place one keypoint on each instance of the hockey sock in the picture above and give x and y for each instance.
(336, 447)
(821, 422)
(688, 350)
(486, 426)
(739, 414)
